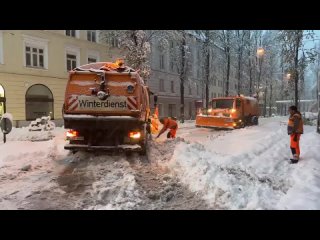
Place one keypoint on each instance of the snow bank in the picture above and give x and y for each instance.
(310, 115)
(248, 168)
(23, 134)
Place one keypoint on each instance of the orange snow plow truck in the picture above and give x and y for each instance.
(230, 112)
(106, 107)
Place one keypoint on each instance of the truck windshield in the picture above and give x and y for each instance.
(222, 103)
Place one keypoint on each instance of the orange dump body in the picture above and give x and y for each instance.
(106, 103)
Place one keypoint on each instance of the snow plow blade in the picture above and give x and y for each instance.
(119, 148)
(214, 122)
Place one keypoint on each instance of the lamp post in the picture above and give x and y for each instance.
(260, 55)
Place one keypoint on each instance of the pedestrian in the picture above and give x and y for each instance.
(168, 123)
(295, 129)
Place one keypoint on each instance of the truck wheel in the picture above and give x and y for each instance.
(148, 128)
(254, 120)
(144, 145)
(128, 153)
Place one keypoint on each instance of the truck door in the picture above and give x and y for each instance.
(239, 107)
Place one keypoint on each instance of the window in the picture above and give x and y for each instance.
(190, 110)
(172, 86)
(171, 56)
(197, 89)
(190, 90)
(1, 48)
(172, 110)
(35, 52)
(215, 95)
(171, 64)
(71, 61)
(161, 86)
(215, 82)
(114, 42)
(93, 56)
(171, 45)
(71, 33)
(39, 102)
(72, 57)
(34, 57)
(2, 100)
(92, 60)
(160, 108)
(161, 61)
(211, 94)
(92, 35)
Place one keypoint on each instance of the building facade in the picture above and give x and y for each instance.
(34, 67)
(165, 82)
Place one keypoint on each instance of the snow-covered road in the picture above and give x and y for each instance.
(201, 169)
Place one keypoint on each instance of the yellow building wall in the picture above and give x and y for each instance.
(16, 87)
(16, 78)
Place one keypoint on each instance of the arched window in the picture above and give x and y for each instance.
(39, 102)
(2, 101)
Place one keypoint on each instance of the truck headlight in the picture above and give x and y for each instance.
(135, 135)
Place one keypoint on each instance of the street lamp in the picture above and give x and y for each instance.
(260, 52)
(288, 76)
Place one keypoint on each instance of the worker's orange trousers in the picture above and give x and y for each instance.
(172, 133)
(294, 143)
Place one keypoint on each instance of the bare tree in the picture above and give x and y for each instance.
(180, 54)
(295, 55)
(240, 40)
(225, 37)
(136, 47)
(208, 37)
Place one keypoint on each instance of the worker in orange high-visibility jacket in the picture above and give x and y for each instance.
(169, 123)
(155, 121)
(295, 129)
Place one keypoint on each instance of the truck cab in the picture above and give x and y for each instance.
(229, 112)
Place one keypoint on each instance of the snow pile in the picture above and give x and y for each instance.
(20, 150)
(310, 118)
(23, 134)
(117, 189)
(248, 168)
(310, 115)
(42, 124)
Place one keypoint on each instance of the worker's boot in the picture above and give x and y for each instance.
(295, 158)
